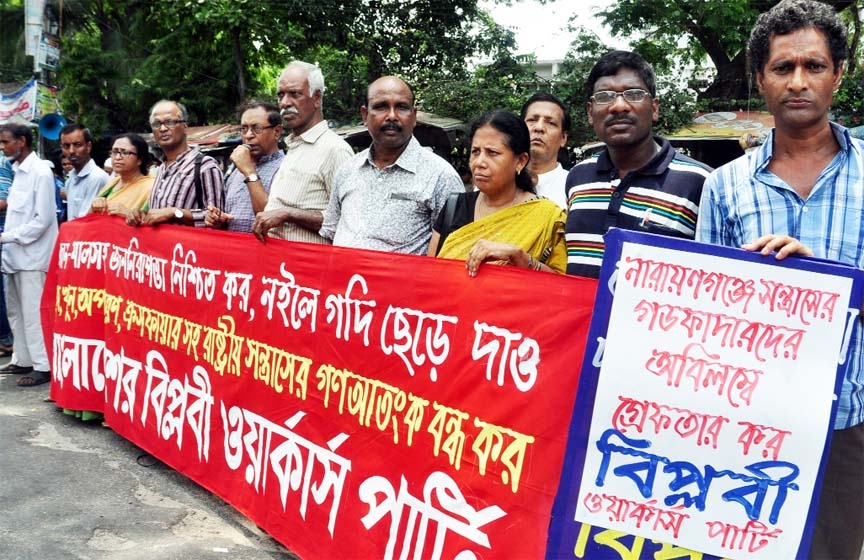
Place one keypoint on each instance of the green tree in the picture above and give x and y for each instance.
(214, 54)
(14, 65)
(675, 32)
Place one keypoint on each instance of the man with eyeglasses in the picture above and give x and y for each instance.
(187, 182)
(302, 186)
(255, 162)
(639, 181)
(86, 178)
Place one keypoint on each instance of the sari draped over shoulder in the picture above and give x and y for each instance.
(135, 195)
(536, 226)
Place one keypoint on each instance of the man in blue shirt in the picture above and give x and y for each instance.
(86, 178)
(802, 193)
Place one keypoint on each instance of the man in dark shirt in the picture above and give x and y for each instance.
(639, 181)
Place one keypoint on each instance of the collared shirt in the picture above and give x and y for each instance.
(305, 178)
(552, 185)
(390, 209)
(743, 200)
(6, 176)
(662, 197)
(81, 187)
(238, 203)
(175, 185)
(31, 219)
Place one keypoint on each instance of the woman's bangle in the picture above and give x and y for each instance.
(531, 262)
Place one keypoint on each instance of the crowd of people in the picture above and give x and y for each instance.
(800, 193)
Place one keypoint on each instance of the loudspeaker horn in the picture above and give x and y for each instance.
(50, 125)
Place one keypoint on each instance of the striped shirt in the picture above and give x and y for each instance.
(175, 185)
(238, 202)
(743, 201)
(662, 197)
(305, 178)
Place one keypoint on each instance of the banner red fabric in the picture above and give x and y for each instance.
(351, 403)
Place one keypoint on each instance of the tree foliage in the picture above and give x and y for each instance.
(120, 56)
(14, 65)
(675, 32)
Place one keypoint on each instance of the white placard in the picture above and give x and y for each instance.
(717, 380)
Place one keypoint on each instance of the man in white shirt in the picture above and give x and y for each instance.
(28, 241)
(86, 178)
(548, 122)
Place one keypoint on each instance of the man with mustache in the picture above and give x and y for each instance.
(255, 163)
(304, 181)
(802, 193)
(388, 196)
(639, 181)
(86, 178)
(548, 122)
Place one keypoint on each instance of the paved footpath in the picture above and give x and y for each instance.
(79, 491)
(75, 491)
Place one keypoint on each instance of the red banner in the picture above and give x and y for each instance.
(351, 403)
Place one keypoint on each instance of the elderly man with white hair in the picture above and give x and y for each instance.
(301, 189)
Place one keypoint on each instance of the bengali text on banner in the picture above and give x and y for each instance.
(351, 403)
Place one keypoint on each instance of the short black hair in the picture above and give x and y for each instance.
(549, 98)
(140, 146)
(75, 127)
(789, 16)
(610, 63)
(274, 117)
(513, 127)
(18, 131)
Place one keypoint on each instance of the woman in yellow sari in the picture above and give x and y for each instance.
(503, 221)
(130, 188)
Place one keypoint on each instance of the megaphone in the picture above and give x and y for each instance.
(50, 125)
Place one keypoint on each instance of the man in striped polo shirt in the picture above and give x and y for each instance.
(639, 181)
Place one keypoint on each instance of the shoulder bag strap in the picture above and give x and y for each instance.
(199, 202)
(449, 213)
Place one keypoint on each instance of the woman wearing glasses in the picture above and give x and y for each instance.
(503, 221)
(130, 188)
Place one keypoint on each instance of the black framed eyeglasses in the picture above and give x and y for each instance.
(630, 96)
(170, 123)
(255, 128)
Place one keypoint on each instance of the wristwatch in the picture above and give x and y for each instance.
(253, 177)
(178, 214)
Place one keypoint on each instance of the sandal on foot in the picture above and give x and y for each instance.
(15, 368)
(34, 378)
